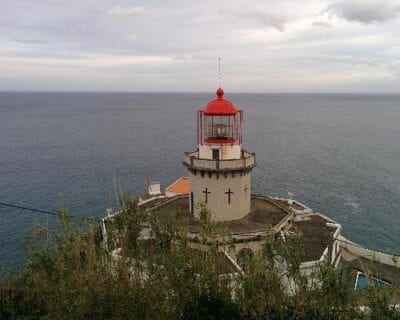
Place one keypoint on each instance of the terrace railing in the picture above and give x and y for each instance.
(192, 160)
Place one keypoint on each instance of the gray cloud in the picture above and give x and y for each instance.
(119, 11)
(347, 60)
(29, 40)
(322, 24)
(354, 63)
(267, 18)
(174, 45)
(365, 11)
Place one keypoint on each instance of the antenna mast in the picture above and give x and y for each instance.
(219, 72)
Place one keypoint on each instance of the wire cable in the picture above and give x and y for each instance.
(98, 220)
(46, 212)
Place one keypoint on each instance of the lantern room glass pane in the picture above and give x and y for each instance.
(220, 128)
(217, 129)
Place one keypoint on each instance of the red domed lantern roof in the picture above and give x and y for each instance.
(220, 106)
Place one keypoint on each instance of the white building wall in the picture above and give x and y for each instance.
(154, 188)
(359, 251)
(227, 151)
(217, 202)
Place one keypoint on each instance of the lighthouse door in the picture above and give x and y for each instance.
(191, 203)
(215, 154)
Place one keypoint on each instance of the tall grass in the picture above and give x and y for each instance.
(72, 275)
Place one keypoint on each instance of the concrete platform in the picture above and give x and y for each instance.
(264, 213)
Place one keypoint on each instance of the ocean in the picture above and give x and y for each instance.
(338, 154)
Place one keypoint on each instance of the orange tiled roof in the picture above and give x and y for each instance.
(180, 186)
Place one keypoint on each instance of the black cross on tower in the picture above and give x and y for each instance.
(229, 192)
(206, 193)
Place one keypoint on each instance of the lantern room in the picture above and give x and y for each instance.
(219, 122)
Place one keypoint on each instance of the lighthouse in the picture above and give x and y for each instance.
(219, 179)
(220, 169)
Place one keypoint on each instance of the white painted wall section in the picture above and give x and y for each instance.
(217, 198)
(226, 151)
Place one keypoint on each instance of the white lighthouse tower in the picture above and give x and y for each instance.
(220, 170)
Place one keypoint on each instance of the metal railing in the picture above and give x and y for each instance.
(192, 160)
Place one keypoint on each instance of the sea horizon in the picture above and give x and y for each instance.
(208, 92)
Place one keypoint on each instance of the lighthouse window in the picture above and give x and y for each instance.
(215, 154)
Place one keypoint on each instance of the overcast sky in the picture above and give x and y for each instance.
(265, 46)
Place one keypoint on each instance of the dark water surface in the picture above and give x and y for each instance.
(339, 154)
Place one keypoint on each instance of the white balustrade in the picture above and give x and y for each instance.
(192, 159)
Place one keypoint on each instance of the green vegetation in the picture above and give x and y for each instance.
(72, 275)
